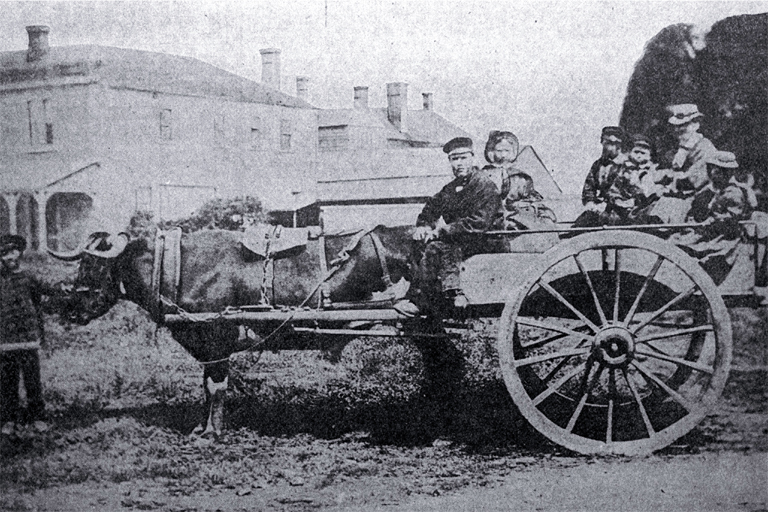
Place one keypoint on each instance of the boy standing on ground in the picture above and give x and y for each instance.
(21, 334)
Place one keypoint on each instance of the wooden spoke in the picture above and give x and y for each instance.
(676, 332)
(543, 341)
(554, 387)
(677, 397)
(677, 360)
(603, 319)
(651, 276)
(567, 304)
(640, 406)
(559, 365)
(584, 397)
(553, 355)
(617, 280)
(552, 327)
(656, 314)
(611, 393)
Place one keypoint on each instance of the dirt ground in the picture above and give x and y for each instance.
(290, 447)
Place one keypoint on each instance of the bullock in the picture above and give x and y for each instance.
(214, 273)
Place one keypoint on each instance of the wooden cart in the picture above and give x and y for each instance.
(614, 341)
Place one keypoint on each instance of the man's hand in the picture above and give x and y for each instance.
(421, 233)
(594, 207)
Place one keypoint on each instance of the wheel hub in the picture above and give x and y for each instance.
(614, 346)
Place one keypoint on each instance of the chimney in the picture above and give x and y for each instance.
(38, 42)
(397, 104)
(361, 97)
(301, 87)
(427, 97)
(270, 67)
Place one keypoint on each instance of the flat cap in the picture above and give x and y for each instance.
(11, 242)
(724, 159)
(458, 145)
(613, 131)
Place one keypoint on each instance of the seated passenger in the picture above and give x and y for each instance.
(449, 229)
(594, 195)
(634, 188)
(523, 207)
(686, 167)
(501, 151)
(720, 206)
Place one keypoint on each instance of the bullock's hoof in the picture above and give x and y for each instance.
(406, 308)
(460, 301)
(212, 435)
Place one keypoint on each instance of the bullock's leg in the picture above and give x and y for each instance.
(215, 381)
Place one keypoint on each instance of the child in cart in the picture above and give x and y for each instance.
(634, 189)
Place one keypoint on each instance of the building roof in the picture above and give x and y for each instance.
(421, 125)
(139, 70)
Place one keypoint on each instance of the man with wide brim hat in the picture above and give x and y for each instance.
(449, 228)
(686, 165)
(21, 333)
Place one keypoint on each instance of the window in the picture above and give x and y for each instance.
(256, 135)
(286, 130)
(39, 122)
(332, 138)
(165, 124)
(219, 131)
(48, 123)
(31, 121)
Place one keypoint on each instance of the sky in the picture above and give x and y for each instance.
(554, 73)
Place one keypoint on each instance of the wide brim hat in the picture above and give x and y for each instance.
(497, 136)
(458, 145)
(723, 159)
(683, 113)
(10, 242)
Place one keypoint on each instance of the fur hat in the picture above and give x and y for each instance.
(10, 242)
(497, 136)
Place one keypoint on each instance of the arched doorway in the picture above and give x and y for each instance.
(5, 217)
(26, 220)
(66, 217)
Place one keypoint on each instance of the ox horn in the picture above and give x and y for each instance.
(118, 246)
(72, 255)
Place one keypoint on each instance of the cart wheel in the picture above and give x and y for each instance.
(615, 342)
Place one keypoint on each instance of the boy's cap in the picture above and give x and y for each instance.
(642, 141)
(10, 242)
(616, 132)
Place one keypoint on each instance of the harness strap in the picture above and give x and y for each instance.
(156, 306)
(379, 247)
(323, 258)
(172, 264)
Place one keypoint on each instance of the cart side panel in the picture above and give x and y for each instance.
(741, 278)
(485, 278)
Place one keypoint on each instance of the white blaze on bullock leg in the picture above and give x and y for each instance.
(216, 393)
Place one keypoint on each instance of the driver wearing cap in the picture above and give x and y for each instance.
(449, 225)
